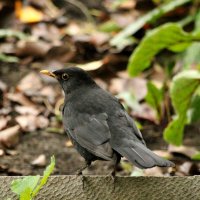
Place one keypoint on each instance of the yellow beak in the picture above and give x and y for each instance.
(48, 73)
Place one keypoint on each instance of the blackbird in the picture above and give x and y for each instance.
(98, 125)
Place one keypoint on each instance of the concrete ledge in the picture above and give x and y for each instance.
(105, 188)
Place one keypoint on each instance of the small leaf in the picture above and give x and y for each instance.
(9, 59)
(28, 187)
(109, 26)
(23, 187)
(196, 156)
(4, 33)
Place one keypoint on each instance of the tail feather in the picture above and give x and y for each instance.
(143, 157)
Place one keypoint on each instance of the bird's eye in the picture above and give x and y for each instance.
(65, 76)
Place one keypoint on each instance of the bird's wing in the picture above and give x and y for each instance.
(136, 131)
(92, 132)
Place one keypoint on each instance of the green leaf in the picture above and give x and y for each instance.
(191, 56)
(154, 97)
(182, 90)
(179, 47)
(12, 33)
(194, 110)
(6, 58)
(45, 177)
(174, 131)
(156, 40)
(196, 156)
(23, 187)
(109, 26)
(153, 15)
(129, 100)
(26, 194)
(27, 188)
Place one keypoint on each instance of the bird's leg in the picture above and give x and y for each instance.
(113, 173)
(87, 164)
(116, 162)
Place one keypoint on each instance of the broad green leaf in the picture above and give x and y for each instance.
(154, 97)
(179, 47)
(151, 16)
(191, 56)
(182, 90)
(194, 110)
(27, 184)
(45, 177)
(174, 132)
(156, 40)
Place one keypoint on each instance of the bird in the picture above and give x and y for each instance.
(98, 125)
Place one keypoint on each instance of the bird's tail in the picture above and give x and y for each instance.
(143, 157)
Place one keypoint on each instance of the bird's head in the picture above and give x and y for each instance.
(70, 78)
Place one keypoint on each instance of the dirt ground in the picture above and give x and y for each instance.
(18, 160)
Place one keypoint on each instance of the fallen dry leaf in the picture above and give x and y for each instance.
(49, 93)
(144, 111)
(19, 98)
(155, 171)
(68, 143)
(185, 150)
(25, 110)
(99, 38)
(185, 168)
(163, 154)
(32, 48)
(137, 86)
(3, 86)
(4, 121)
(42, 122)
(91, 65)
(30, 82)
(10, 136)
(27, 14)
(30, 123)
(40, 161)
(2, 152)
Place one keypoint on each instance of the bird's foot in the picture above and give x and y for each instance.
(113, 178)
(79, 172)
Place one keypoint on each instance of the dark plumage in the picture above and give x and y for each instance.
(98, 125)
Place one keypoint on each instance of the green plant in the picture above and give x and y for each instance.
(184, 89)
(28, 187)
(149, 17)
